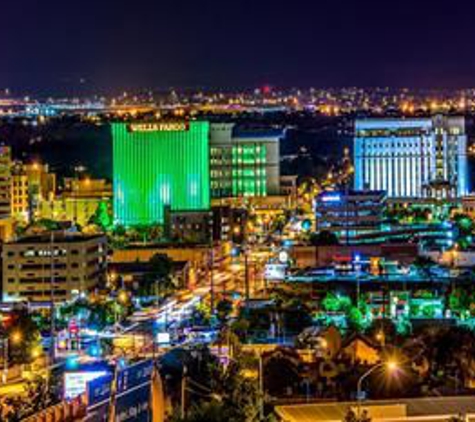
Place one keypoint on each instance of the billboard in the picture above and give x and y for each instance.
(133, 393)
(98, 398)
(275, 272)
(75, 383)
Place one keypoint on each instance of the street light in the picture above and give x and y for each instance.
(123, 297)
(36, 353)
(391, 366)
(16, 337)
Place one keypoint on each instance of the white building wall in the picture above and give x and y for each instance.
(403, 164)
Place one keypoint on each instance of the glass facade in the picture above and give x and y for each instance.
(159, 165)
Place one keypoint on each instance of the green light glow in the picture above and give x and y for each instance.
(249, 171)
(159, 168)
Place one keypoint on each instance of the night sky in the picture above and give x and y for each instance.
(53, 46)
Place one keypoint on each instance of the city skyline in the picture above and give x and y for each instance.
(245, 211)
(55, 48)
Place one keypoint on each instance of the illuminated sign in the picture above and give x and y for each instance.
(75, 382)
(283, 257)
(159, 127)
(332, 198)
(133, 393)
(163, 339)
(275, 272)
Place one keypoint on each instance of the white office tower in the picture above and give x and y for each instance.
(412, 158)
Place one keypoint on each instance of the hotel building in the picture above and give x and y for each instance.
(412, 158)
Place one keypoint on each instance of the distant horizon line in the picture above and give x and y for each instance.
(6, 92)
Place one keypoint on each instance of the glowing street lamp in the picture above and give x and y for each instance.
(123, 297)
(16, 337)
(36, 353)
(391, 367)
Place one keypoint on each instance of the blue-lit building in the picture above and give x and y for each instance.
(350, 213)
(412, 158)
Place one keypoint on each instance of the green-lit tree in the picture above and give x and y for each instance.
(336, 303)
(102, 217)
(464, 224)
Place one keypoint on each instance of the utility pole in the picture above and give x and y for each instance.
(52, 308)
(113, 394)
(347, 210)
(5, 360)
(183, 394)
(211, 274)
(246, 276)
(261, 388)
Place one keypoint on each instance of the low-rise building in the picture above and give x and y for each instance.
(412, 409)
(78, 201)
(324, 255)
(468, 205)
(59, 265)
(189, 226)
(31, 184)
(87, 188)
(288, 186)
(79, 210)
(229, 224)
(349, 213)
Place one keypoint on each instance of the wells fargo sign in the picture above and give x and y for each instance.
(159, 127)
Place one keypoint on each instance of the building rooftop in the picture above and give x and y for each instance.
(440, 408)
(337, 195)
(404, 123)
(59, 237)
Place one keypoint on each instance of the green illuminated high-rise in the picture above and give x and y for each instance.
(159, 165)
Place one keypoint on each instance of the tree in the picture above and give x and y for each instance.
(102, 217)
(281, 372)
(24, 336)
(458, 418)
(213, 411)
(119, 231)
(200, 315)
(40, 396)
(323, 238)
(351, 416)
(459, 301)
(158, 280)
(336, 303)
(424, 264)
(464, 224)
(96, 314)
(223, 310)
(355, 319)
(382, 330)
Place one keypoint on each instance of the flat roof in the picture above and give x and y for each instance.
(415, 408)
(59, 237)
